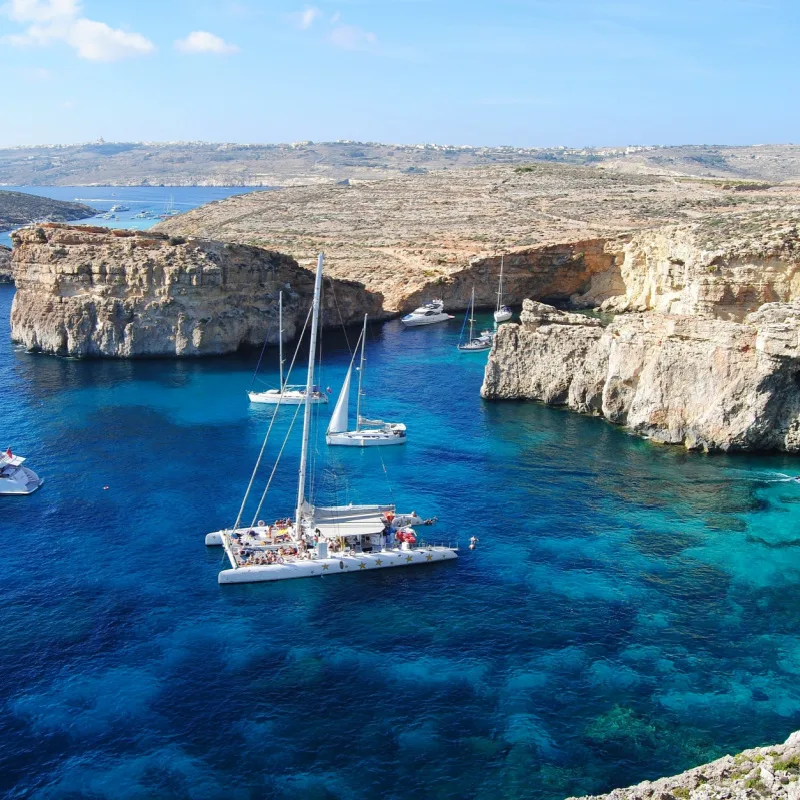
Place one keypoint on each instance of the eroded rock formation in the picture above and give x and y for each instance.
(708, 384)
(6, 275)
(761, 772)
(93, 292)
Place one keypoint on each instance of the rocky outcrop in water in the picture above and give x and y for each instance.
(708, 384)
(6, 276)
(21, 208)
(762, 772)
(93, 292)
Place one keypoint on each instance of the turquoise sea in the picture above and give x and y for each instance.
(631, 609)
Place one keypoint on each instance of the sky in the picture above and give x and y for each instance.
(529, 73)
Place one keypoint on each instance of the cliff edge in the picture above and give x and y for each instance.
(84, 291)
(760, 772)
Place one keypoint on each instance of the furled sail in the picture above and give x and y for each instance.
(338, 423)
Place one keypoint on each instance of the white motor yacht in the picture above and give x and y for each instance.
(427, 314)
(321, 541)
(14, 478)
(368, 432)
(286, 395)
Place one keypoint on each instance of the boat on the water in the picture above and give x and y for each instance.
(502, 313)
(474, 344)
(285, 395)
(427, 314)
(115, 209)
(368, 432)
(321, 540)
(14, 478)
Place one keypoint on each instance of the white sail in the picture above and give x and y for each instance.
(338, 422)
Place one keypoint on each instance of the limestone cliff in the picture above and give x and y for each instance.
(760, 772)
(708, 384)
(85, 291)
(5, 265)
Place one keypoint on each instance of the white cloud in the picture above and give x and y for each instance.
(304, 19)
(52, 21)
(205, 42)
(351, 37)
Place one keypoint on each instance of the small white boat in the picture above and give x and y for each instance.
(368, 432)
(475, 344)
(115, 209)
(14, 478)
(503, 313)
(321, 540)
(286, 395)
(427, 314)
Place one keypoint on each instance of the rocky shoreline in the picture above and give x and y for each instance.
(84, 291)
(761, 772)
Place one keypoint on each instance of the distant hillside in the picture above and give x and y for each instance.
(20, 208)
(309, 163)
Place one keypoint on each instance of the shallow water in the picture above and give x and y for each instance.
(631, 610)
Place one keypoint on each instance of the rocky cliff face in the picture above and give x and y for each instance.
(94, 292)
(760, 772)
(705, 383)
(5, 265)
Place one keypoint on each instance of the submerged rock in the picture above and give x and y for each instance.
(85, 291)
(708, 384)
(761, 772)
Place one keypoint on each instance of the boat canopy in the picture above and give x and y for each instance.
(13, 461)
(335, 521)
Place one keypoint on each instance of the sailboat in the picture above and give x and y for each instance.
(368, 432)
(321, 540)
(503, 313)
(286, 395)
(475, 343)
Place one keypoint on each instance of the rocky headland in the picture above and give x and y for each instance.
(84, 291)
(21, 208)
(761, 772)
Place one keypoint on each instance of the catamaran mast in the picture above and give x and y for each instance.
(500, 285)
(312, 349)
(361, 374)
(280, 336)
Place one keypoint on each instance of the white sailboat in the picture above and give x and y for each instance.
(503, 313)
(368, 432)
(475, 344)
(286, 395)
(321, 540)
(14, 478)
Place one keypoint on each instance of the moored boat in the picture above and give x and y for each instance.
(474, 344)
(427, 314)
(502, 313)
(320, 540)
(14, 478)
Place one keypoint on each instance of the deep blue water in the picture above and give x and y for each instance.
(631, 610)
(138, 198)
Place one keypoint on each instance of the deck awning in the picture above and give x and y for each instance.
(334, 521)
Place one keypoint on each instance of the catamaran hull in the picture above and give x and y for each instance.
(289, 398)
(391, 559)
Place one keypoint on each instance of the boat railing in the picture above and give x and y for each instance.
(422, 544)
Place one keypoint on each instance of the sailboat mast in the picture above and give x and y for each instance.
(361, 374)
(280, 336)
(312, 352)
(500, 285)
(471, 313)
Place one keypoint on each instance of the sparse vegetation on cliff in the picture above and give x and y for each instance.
(20, 208)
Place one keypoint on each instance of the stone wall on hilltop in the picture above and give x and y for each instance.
(93, 292)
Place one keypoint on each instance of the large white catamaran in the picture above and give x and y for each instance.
(368, 432)
(285, 395)
(320, 540)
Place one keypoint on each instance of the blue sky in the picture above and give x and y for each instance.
(527, 72)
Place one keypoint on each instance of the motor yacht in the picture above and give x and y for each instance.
(427, 314)
(14, 478)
